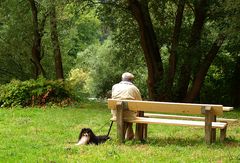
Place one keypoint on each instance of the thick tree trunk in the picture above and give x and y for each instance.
(139, 9)
(36, 48)
(55, 42)
(202, 72)
(173, 50)
(194, 42)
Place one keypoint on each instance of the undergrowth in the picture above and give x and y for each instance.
(34, 92)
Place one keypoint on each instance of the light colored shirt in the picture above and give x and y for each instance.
(125, 90)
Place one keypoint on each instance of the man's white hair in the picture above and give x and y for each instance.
(127, 76)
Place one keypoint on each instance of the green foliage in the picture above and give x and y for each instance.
(82, 31)
(76, 82)
(77, 29)
(97, 60)
(105, 64)
(33, 92)
(222, 17)
(85, 28)
(218, 82)
(15, 38)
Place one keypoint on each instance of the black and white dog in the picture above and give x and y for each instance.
(87, 136)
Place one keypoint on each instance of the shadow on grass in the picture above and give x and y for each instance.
(183, 142)
(232, 142)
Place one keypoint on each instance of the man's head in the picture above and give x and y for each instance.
(126, 76)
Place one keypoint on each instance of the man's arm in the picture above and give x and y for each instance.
(137, 94)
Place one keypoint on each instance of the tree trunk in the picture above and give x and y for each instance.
(202, 72)
(139, 10)
(235, 85)
(37, 38)
(173, 50)
(55, 42)
(194, 42)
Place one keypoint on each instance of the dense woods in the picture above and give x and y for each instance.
(179, 50)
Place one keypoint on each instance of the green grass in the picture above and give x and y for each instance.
(49, 135)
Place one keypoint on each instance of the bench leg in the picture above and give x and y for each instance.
(128, 131)
(120, 123)
(223, 134)
(145, 126)
(139, 133)
(209, 135)
(214, 135)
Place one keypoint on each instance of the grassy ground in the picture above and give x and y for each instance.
(38, 135)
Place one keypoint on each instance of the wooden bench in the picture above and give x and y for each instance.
(208, 122)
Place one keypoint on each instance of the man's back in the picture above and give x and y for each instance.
(125, 90)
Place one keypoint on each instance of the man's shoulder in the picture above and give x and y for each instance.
(116, 85)
(126, 85)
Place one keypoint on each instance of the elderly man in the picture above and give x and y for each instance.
(126, 90)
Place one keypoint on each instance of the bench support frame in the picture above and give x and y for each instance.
(141, 129)
(121, 127)
(210, 133)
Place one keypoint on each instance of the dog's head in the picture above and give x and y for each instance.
(86, 132)
(87, 136)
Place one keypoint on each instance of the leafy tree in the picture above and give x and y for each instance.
(193, 33)
(105, 64)
(15, 40)
(26, 48)
(186, 50)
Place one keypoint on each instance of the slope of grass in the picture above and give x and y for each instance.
(49, 135)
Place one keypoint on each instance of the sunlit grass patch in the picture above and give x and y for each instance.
(45, 135)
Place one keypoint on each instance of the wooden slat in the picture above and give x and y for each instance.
(166, 107)
(144, 120)
(227, 108)
(152, 115)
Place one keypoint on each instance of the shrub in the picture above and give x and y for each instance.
(105, 63)
(76, 83)
(34, 92)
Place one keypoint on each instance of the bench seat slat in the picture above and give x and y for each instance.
(144, 120)
(166, 107)
(227, 108)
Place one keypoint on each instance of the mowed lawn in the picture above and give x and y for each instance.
(49, 135)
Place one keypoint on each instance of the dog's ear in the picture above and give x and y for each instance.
(92, 133)
(81, 133)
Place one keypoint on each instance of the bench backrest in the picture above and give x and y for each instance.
(166, 107)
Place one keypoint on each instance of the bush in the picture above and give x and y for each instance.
(105, 63)
(34, 92)
(76, 83)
